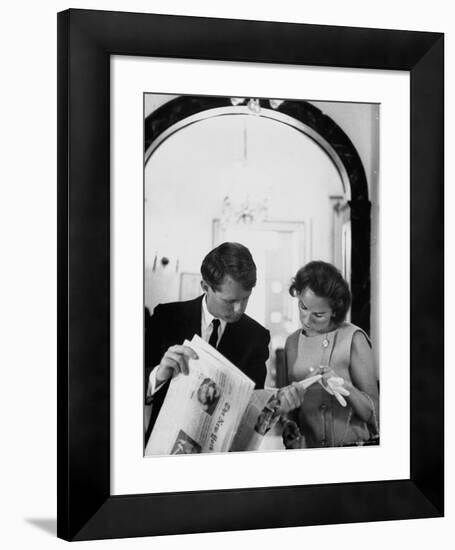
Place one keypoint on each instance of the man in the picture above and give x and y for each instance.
(218, 316)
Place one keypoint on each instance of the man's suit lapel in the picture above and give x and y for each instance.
(192, 317)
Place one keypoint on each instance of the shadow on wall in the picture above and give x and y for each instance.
(48, 525)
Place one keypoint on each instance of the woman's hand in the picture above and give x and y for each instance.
(334, 385)
(291, 397)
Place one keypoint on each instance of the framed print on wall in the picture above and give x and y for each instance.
(99, 289)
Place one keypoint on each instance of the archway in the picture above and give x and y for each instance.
(305, 117)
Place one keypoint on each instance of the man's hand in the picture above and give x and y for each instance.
(291, 397)
(175, 361)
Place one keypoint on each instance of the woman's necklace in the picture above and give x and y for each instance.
(324, 344)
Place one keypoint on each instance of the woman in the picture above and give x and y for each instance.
(340, 408)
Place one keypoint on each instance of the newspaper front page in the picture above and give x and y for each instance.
(202, 410)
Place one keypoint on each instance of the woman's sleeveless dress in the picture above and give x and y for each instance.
(322, 420)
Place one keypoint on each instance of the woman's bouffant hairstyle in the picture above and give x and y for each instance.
(231, 259)
(325, 281)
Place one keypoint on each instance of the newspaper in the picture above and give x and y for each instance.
(202, 410)
(215, 408)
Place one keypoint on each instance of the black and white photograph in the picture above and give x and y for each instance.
(208, 395)
(261, 240)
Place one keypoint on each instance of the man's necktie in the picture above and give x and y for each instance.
(214, 336)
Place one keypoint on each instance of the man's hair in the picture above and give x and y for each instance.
(232, 259)
(325, 281)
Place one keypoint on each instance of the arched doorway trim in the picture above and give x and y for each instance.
(265, 113)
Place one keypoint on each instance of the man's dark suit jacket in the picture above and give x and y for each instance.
(245, 343)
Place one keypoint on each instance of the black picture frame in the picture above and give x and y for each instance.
(86, 40)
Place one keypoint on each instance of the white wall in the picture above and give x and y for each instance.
(28, 275)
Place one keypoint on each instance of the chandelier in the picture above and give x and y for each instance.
(247, 212)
